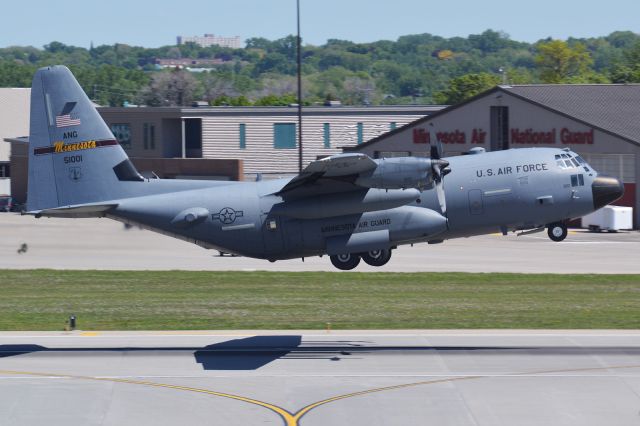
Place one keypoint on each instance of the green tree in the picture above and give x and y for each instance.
(172, 88)
(225, 100)
(274, 100)
(411, 69)
(465, 87)
(16, 75)
(110, 85)
(628, 70)
(557, 62)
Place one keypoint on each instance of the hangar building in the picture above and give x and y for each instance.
(601, 122)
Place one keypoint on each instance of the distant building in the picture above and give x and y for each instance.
(14, 121)
(187, 62)
(212, 40)
(264, 138)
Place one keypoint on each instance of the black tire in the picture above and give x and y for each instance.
(557, 231)
(345, 262)
(376, 257)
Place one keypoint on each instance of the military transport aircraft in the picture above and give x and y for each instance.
(348, 206)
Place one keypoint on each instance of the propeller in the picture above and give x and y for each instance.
(439, 168)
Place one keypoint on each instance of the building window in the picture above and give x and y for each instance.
(393, 125)
(122, 133)
(149, 135)
(243, 136)
(4, 169)
(284, 135)
(360, 133)
(327, 135)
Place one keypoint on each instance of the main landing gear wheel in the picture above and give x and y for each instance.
(376, 257)
(557, 231)
(346, 262)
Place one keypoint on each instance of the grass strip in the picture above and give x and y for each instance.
(170, 300)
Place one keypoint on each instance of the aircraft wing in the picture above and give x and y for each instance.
(329, 175)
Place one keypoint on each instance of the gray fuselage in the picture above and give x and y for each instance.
(485, 193)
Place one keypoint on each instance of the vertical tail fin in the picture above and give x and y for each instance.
(73, 156)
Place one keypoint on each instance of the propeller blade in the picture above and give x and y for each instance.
(441, 198)
(436, 145)
(439, 168)
(434, 151)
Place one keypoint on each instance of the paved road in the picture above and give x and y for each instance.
(317, 378)
(105, 244)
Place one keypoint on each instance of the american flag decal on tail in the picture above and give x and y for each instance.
(66, 121)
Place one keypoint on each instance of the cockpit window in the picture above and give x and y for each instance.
(577, 180)
(571, 161)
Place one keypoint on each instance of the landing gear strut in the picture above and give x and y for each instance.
(557, 231)
(376, 257)
(345, 262)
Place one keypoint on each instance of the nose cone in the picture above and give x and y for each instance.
(606, 190)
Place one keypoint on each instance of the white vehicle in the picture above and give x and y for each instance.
(609, 218)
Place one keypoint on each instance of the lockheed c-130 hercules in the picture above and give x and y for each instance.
(348, 206)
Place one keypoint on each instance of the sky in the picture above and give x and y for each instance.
(158, 22)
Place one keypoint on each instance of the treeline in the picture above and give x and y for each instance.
(414, 69)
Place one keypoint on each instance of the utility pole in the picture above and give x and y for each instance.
(299, 90)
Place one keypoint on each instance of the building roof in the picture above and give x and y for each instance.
(276, 110)
(614, 108)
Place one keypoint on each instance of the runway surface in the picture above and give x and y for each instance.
(105, 244)
(321, 378)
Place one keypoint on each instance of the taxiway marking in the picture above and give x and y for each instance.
(293, 419)
(284, 414)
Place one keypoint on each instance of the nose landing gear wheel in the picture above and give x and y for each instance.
(557, 231)
(376, 257)
(345, 262)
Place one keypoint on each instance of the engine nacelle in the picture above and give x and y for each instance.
(399, 173)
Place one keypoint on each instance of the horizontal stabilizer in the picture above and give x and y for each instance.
(84, 210)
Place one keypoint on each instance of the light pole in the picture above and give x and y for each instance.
(299, 90)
